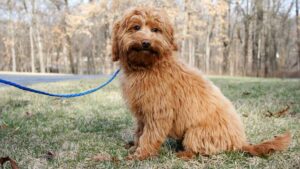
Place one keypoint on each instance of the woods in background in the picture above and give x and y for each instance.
(228, 37)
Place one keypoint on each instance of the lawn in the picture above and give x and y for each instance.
(42, 132)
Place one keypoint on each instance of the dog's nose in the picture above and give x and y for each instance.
(146, 44)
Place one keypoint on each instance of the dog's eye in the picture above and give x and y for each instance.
(154, 29)
(137, 27)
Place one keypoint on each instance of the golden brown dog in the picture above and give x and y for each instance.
(170, 99)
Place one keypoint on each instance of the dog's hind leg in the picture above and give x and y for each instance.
(199, 140)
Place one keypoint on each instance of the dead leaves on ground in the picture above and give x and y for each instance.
(49, 155)
(246, 93)
(3, 126)
(280, 113)
(13, 164)
(28, 114)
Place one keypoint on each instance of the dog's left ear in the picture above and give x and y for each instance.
(115, 46)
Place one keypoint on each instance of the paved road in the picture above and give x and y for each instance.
(27, 79)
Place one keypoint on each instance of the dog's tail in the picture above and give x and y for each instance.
(278, 143)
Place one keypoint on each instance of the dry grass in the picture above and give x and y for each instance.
(76, 130)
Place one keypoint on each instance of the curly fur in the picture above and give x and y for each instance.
(170, 99)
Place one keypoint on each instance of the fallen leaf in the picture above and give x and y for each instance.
(245, 115)
(245, 93)
(269, 114)
(13, 164)
(49, 155)
(280, 113)
(3, 126)
(28, 114)
(115, 160)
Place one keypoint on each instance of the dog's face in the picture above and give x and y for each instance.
(142, 37)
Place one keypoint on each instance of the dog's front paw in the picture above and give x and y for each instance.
(185, 155)
(137, 157)
(140, 154)
(131, 157)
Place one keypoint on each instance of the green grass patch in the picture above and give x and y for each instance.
(77, 129)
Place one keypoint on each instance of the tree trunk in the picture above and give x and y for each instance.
(191, 52)
(70, 54)
(185, 29)
(225, 63)
(183, 42)
(12, 36)
(274, 52)
(298, 32)
(226, 36)
(79, 61)
(207, 52)
(207, 44)
(40, 51)
(259, 56)
(12, 48)
(32, 57)
(58, 50)
(256, 36)
(92, 59)
(68, 40)
(246, 45)
(266, 54)
(32, 49)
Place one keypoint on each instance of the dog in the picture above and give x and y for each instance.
(172, 100)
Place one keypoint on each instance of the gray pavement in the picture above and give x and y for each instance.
(27, 79)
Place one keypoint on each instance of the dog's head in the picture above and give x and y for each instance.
(142, 37)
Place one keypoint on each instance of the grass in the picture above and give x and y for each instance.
(75, 130)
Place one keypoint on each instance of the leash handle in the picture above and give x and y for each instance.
(9, 83)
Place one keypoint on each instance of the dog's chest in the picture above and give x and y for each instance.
(144, 93)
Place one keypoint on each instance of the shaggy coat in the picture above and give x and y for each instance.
(170, 99)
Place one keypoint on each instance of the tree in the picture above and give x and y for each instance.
(10, 5)
(226, 38)
(257, 36)
(68, 44)
(32, 54)
(298, 32)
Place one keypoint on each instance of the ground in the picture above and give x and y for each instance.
(90, 131)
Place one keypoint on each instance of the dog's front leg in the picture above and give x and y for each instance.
(154, 134)
(132, 145)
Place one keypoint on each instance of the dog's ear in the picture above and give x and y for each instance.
(115, 47)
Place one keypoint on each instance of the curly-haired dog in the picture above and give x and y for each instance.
(170, 99)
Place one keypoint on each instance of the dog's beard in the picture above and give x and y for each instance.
(140, 58)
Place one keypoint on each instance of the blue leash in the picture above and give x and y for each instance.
(113, 76)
